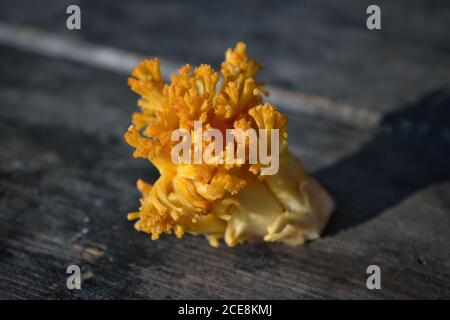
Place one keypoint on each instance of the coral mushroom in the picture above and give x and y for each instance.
(235, 201)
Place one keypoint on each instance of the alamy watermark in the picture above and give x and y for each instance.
(73, 21)
(260, 147)
(74, 280)
(373, 21)
(374, 280)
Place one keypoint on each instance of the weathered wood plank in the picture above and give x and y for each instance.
(323, 49)
(67, 181)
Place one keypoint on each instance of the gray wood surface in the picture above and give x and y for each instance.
(318, 47)
(67, 179)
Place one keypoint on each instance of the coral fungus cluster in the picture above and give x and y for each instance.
(230, 201)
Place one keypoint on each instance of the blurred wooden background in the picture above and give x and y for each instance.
(369, 113)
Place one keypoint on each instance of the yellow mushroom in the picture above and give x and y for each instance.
(234, 201)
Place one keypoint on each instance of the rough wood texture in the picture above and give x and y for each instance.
(67, 179)
(67, 182)
(318, 48)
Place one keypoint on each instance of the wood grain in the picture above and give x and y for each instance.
(67, 181)
(321, 49)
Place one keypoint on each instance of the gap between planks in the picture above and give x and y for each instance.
(115, 60)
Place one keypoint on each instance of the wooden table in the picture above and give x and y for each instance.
(67, 179)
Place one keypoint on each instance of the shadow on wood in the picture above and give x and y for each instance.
(410, 152)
